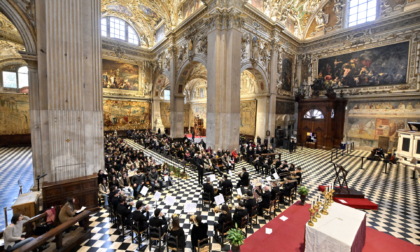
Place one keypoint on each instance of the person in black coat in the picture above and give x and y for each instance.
(199, 163)
(244, 176)
(240, 212)
(250, 203)
(224, 218)
(265, 202)
(140, 216)
(198, 232)
(158, 220)
(225, 184)
(124, 209)
(208, 188)
(177, 233)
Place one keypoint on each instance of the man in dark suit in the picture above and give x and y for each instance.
(244, 176)
(225, 184)
(140, 216)
(266, 196)
(208, 188)
(250, 203)
(199, 163)
(158, 220)
(124, 209)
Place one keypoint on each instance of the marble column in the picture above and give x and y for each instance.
(66, 95)
(223, 86)
(156, 117)
(262, 117)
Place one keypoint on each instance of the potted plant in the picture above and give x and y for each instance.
(236, 238)
(303, 192)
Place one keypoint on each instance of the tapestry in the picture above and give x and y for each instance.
(385, 65)
(124, 115)
(165, 114)
(14, 114)
(367, 121)
(121, 76)
(248, 117)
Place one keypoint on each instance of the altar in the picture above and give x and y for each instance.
(343, 229)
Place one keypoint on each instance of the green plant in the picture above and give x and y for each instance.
(235, 236)
(302, 190)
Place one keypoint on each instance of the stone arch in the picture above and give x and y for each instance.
(22, 23)
(312, 17)
(186, 72)
(260, 75)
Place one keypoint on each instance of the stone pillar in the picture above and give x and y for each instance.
(224, 74)
(177, 99)
(156, 118)
(66, 98)
(262, 117)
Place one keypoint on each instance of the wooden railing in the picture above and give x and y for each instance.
(58, 231)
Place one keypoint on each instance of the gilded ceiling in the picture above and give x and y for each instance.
(148, 15)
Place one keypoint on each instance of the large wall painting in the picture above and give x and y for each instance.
(248, 117)
(367, 121)
(14, 114)
(124, 115)
(287, 72)
(385, 65)
(121, 76)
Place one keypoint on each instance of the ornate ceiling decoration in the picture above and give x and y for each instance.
(10, 41)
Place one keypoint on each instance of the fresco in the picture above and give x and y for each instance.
(385, 65)
(14, 114)
(248, 117)
(188, 8)
(248, 83)
(121, 76)
(124, 115)
(367, 121)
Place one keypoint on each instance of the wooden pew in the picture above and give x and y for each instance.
(69, 241)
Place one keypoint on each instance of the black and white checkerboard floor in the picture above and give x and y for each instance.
(397, 195)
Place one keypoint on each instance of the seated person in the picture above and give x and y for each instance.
(225, 184)
(198, 232)
(124, 183)
(266, 197)
(240, 212)
(154, 180)
(244, 176)
(208, 188)
(224, 218)
(13, 233)
(177, 232)
(250, 203)
(124, 209)
(158, 220)
(67, 212)
(140, 216)
(138, 182)
(104, 191)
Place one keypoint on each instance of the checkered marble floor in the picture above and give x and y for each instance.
(15, 169)
(397, 195)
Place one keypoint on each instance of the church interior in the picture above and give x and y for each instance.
(125, 87)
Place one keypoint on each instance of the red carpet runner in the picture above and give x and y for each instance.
(289, 235)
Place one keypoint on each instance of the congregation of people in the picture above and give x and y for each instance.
(129, 170)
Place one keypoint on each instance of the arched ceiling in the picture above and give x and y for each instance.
(146, 15)
(10, 42)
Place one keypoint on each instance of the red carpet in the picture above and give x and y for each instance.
(190, 136)
(289, 235)
(357, 203)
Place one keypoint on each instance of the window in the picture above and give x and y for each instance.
(361, 11)
(314, 114)
(116, 28)
(167, 95)
(17, 79)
